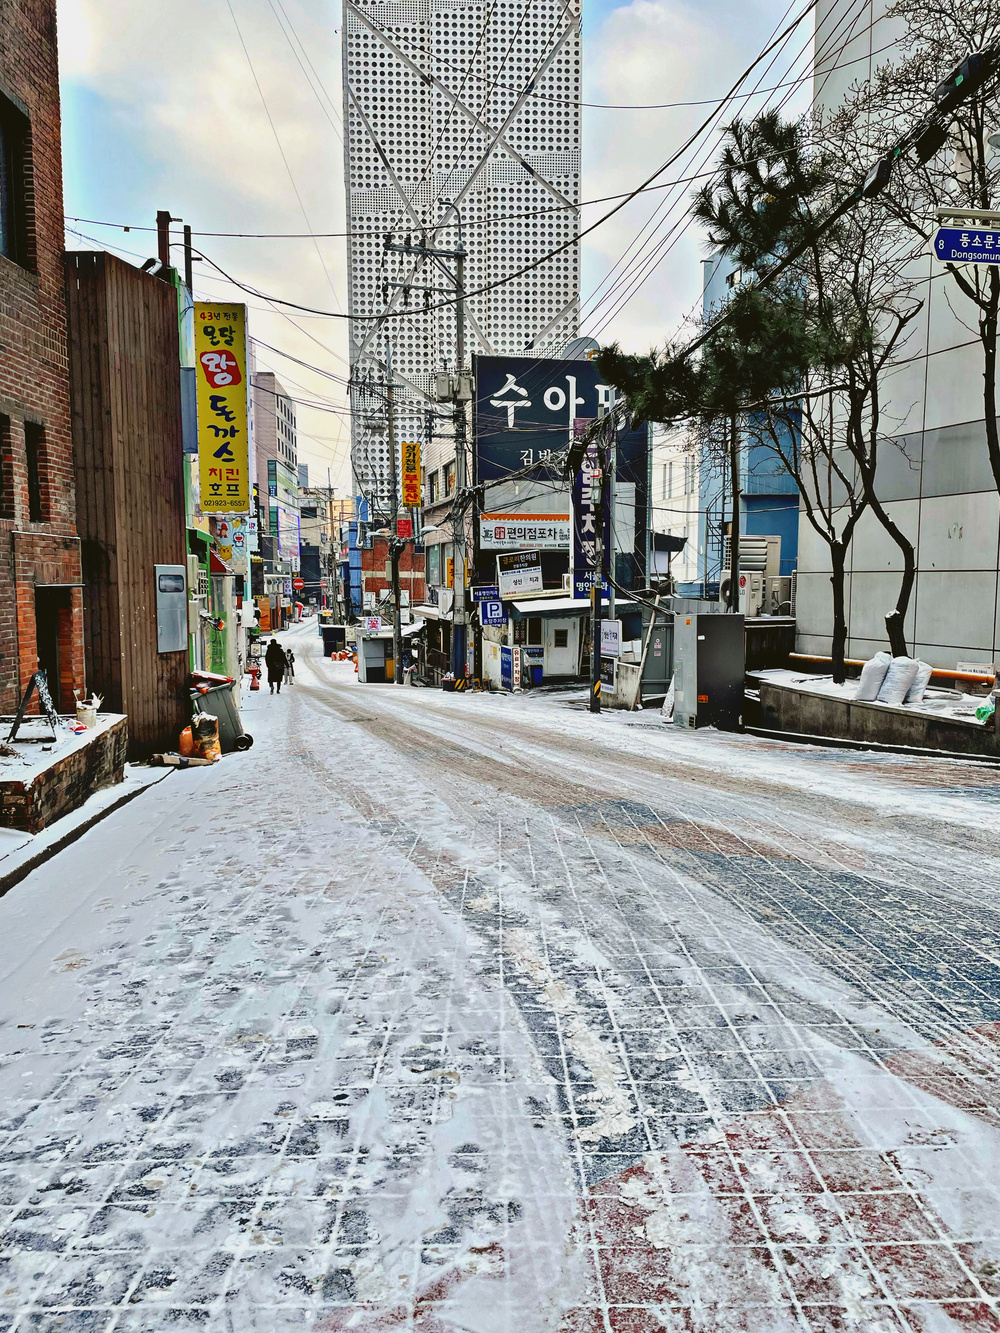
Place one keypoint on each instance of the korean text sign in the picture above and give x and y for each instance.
(587, 519)
(220, 353)
(411, 473)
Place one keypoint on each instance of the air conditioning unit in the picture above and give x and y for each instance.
(778, 596)
(751, 601)
(760, 554)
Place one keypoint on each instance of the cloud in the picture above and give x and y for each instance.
(175, 120)
(655, 51)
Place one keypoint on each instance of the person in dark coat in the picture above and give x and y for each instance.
(274, 660)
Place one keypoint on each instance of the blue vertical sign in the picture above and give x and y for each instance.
(507, 668)
(585, 519)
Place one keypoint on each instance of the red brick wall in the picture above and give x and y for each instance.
(374, 575)
(34, 372)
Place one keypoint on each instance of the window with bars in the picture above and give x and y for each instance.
(34, 449)
(15, 184)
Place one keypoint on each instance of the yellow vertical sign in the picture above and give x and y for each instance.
(220, 355)
(411, 473)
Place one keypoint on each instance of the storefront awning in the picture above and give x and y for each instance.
(550, 608)
(556, 608)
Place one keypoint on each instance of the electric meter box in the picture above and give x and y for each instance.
(709, 662)
(171, 608)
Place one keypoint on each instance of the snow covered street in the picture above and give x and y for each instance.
(465, 1012)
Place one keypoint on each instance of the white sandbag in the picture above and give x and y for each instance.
(667, 707)
(915, 694)
(898, 679)
(872, 675)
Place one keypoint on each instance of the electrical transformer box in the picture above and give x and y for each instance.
(708, 671)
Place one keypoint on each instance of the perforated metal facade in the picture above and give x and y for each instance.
(468, 104)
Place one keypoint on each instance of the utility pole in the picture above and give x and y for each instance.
(599, 498)
(457, 278)
(188, 261)
(459, 622)
(394, 542)
(163, 221)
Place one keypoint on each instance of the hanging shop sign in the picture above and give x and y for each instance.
(404, 527)
(525, 409)
(519, 572)
(611, 638)
(522, 532)
(586, 517)
(411, 473)
(485, 592)
(220, 367)
(492, 613)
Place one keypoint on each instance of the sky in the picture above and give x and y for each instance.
(229, 115)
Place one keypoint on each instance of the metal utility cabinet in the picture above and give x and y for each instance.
(708, 671)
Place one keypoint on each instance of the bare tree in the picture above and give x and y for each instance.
(846, 307)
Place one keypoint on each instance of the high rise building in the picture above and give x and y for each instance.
(466, 115)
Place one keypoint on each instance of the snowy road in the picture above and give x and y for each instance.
(478, 1013)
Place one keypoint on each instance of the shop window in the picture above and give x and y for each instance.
(560, 638)
(534, 631)
(34, 448)
(15, 184)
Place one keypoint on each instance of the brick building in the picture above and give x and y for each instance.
(376, 574)
(41, 603)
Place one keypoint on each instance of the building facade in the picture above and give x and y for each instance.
(934, 476)
(128, 450)
(41, 597)
(276, 468)
(462, 130)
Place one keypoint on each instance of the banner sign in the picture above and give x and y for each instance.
(611, 638)
(967, 245)
(512, 532)
(585, 527)
(372, 624)
(491, 613)
(288, 532)
(404, 527)
(411, 473)
(221, 369)
(519, 572)
(485, 592)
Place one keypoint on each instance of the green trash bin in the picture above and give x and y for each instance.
(219, 702)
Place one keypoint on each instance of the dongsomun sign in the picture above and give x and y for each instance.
(968, 245)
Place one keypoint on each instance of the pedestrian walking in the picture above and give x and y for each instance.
(274, 660)
(290, 662)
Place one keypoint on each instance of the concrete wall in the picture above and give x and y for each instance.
(935, 473)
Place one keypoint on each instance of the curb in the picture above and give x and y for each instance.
(24, 868)
(874, 747)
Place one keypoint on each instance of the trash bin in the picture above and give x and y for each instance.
(219, 702)
(536, 674)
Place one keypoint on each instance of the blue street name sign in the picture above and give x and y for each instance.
(486, 592)
(968, 245)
